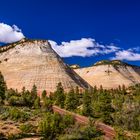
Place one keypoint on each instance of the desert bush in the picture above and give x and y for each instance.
(53, 125)
(27, 128)
(16, 101)
(15, 114)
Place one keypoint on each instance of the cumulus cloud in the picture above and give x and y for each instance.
(84, 47)
(87, 47)
(127, 55)
(9, 34)
(136, 49)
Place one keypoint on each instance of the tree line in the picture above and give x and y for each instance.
(118, 107)
(35, 117)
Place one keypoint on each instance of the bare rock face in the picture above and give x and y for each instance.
(110, 74)
(30, 62)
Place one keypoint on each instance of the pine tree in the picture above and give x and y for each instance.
(44, 93)
(59, 96)
(37, 103)
(77, 90)
(78, 96)
(71, 102)
(102, 106)
(87, 108)
(47, 104)
(3, 87)
(27, 97)
(34, 92)
(95, 89)
(123, 90)
(101, 89)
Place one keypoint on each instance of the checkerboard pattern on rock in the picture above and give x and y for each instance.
(30, 62)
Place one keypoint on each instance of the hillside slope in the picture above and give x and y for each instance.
(30, 62)
(110, 74)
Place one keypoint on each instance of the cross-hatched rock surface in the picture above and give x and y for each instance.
(30, 62)
(110, 75)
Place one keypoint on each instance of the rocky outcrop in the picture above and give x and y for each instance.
(75, 66)
(110, 74)
(30, 62)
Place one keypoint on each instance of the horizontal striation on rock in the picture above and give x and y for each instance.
(110, 76)
(32, 62)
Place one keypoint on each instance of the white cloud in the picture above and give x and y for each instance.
(84, 47)
(9, 34)
(137, 49)
(127, 55)
(87, 47)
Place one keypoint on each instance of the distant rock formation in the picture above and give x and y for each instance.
(30, 62)
(75, 66)
(110, 74)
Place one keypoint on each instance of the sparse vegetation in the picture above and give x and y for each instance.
(32, 115)
(15, 114)
(111, 62)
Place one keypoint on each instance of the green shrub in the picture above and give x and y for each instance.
(27, 128)
(68, 120)
(15, 114)
(16, 101)
(53, 125)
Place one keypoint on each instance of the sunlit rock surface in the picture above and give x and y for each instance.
(110, 74)
(30, 62)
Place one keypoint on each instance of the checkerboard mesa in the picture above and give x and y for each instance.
(110, 74)
(28, 62)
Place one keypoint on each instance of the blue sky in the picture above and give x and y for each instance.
(109, 22)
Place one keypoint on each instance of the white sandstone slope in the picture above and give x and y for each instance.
(30, 62)
(110, 74)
